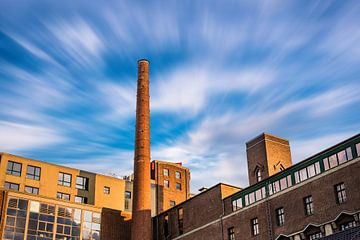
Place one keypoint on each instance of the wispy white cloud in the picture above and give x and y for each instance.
(17, 137)
(79, 40)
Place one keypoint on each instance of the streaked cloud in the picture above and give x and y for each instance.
(221, 73)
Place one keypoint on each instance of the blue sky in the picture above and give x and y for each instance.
(222, 72)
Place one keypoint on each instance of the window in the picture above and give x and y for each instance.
(231, 233)
(166, 172)
(258, 175)
(63, 196)
(166, 183)
(82, 183)
(127, 194)
(347, 225)
(33, 172)
(340, 193)
(358, 149)
(166, 226)
(106, 190)
(280, 215)
(181, 220)
(254, 226)
(338, 158)
(13, 168)
(315, 236)
(178, 175)
(80, 199)
(12, 186)
(307, 172)
(32, 190)
(280, 185)
(308, 205)
(172, 203)
(178, 186)
(237, 204)
(64, 179)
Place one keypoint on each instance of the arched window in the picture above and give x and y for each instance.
(258, 175)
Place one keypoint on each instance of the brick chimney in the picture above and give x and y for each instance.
(141, 216)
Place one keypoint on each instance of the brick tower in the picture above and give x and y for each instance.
(141, 224)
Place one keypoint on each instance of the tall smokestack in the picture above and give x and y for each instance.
(141, 217)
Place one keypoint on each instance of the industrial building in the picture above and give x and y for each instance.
(317, 198)
(40, 200)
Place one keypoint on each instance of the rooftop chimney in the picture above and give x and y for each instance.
(141, 217)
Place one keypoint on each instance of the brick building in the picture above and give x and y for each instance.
(316, 198)
(40, 200)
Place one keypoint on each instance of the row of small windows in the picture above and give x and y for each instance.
(14, 168)
(166, 172)
(299, 176)
(340, 196)
(33, 172)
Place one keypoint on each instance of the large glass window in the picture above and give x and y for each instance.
(15, 222)
(308, 205)
(91, 225)
(280, 216)
(340, 193)
(32, 190)
(254, 226)
(41, 221)
(33, 172)
(64, 179)
(13, 168)
(231, 233)
(68, 223)
(82, 183)
(12, 186)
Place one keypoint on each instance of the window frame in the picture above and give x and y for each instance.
(166, 172)
(340, 193)
(32, 190)
(12, 184)
(62, 194)
(231, 233)
(178, 186)
(177, 174)
(62, 182)
(166, 183)
(33, 175)
(280, 216)
(11, 171)
(128, 194)
(308, 205)
(254, 226)
(84, 200)
(84, 183)
(106, 190)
